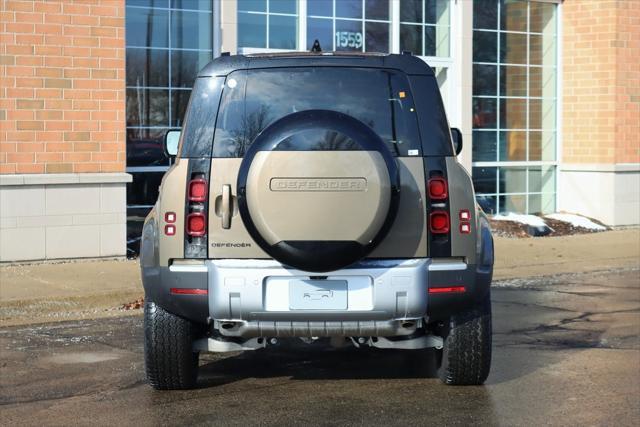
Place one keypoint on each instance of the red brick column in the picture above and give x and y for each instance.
(601, 78)
(62, 92)
(600, 161)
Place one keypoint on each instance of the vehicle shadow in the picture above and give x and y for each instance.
(321, 362)
(526, 339)
(532, 330)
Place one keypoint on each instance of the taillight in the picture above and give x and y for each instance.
(438, 218)
(438, 189)
(439, 222)
(197, 190)
(196, 224)
(196, 213)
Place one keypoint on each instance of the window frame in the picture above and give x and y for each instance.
(526, 163)
(268, 14)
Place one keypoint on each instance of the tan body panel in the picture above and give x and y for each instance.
(461, 196)
(407, 237)
(235, 241)
(171, 198)
(318, 195)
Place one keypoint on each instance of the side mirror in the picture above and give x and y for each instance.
(171, 140)
(456, 135)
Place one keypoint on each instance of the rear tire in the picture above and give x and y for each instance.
(466, 352)
(170, 362)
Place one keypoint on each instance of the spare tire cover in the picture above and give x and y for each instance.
(318, 190)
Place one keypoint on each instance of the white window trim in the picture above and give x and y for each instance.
(394, 36)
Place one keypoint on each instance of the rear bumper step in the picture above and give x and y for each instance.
(283, 329)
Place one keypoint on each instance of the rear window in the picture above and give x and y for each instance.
(252, 100)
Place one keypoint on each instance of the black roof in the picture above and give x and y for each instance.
(225, 64)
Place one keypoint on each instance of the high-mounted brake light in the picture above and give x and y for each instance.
(439, 222)
(438, 189)
(196, 224)
(197, 190)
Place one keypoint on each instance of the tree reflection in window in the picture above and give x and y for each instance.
(365, 94)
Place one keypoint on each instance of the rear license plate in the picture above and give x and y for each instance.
(318, 294)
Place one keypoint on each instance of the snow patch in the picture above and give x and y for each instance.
(532, 220)
(577, 221)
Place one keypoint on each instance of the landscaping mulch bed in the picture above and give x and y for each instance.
(509, 229)
(515, 229)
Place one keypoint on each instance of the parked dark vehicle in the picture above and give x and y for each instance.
(316, 195)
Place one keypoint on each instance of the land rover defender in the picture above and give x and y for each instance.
(316, 196)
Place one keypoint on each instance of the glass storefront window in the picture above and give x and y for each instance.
(271, 24)
(424, 27)
(514, 104)
(167, 43)
(350, 25)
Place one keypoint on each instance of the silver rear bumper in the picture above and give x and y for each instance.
(241, 301)
(282, 329)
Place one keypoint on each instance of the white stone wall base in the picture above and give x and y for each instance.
(608, 193)
(62, 216)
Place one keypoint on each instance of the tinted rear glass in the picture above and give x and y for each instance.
(254, 99)
(200, 117)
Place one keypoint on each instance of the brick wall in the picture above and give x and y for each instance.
(601, 78)
(628, 82)
(62, 97)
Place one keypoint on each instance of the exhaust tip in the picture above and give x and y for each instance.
(227, 325)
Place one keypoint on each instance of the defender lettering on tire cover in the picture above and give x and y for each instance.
(318, 190)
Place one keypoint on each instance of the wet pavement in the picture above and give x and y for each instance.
(566, 352)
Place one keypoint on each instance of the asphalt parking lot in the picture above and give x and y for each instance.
(566, 352)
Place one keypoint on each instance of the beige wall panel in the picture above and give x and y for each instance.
(79, 241)
(72, 199)
(22, 201)
(17, 244)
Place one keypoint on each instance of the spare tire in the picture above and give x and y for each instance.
(318, 190)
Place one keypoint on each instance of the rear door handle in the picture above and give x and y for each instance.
(226, 206)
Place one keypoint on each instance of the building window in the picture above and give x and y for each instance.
(424, 27)
(271, 24)
(349, 25)
(514, 105)
(167, 43)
